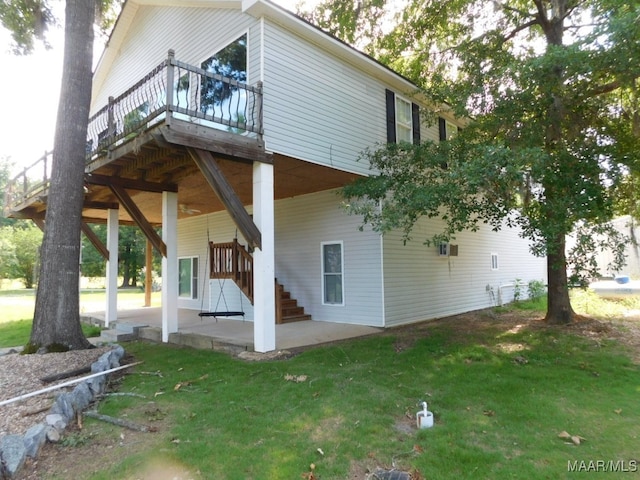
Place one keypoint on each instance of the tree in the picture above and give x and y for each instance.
(20, 251)
(5, 172)
(57, 313)
(131, 254)
(541, 85)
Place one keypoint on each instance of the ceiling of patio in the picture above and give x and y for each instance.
(292, 177)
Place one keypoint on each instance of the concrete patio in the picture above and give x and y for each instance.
(221, 334)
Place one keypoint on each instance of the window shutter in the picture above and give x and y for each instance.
(442, 125)
(415, 120)
(391, 116)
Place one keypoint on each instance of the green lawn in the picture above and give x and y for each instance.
(500, 393)
(17, 307)
(500, 397)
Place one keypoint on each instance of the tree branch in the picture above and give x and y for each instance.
(520, 28)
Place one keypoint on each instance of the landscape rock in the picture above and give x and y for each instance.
(56, 421)
(15, 448)
(100, 365)
(81, 397)
(97, 385)
(12, 454)
(53, 435)
(64, 407)
(34, 439)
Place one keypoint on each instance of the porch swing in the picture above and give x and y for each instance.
(221, 282)
(223, 313)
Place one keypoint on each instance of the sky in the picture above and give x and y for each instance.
(29, 97)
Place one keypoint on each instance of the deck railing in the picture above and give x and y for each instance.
(232, 260)
(173, 89)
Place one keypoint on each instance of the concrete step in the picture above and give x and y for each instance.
(123, 332)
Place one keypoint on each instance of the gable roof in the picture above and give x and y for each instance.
(257, 9)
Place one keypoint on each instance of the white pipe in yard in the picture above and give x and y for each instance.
(65, 384)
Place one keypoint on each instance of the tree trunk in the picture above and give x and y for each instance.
(57, 311)
(559, 311)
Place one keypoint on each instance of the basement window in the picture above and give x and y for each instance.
(332, 273)
(188, 278)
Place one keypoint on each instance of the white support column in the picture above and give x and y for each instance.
(170, 264)
(111, 308)
(264, 295)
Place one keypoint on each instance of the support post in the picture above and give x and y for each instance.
(148, 277)
(111, 309)
(170, 264)
(264, 322)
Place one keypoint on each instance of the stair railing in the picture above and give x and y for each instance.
(232, 260)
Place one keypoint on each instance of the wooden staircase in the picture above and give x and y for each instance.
(232, 260)
(287, 308)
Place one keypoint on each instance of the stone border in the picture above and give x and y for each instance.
(14, 449)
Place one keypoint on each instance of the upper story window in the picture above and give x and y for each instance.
(447, 129)
(403, 120)
(220, 99)
(404, 128)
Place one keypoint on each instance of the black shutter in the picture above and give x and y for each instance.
(442, 125)
(391, 116)
(415, 120)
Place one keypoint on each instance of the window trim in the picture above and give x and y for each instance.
(193, 280)
(408, 127)
(323, 274)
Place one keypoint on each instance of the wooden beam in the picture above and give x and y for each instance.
(134, 212)
(218, 182)
(100, 205)
(224, 144)
(95, 241)
(39, 223)
(129, 183)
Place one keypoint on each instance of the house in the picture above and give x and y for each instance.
(231, 125)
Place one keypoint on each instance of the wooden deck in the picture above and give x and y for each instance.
(135, 153)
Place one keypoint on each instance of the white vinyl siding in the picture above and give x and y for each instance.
(193, 33)
(420, 284)
(317, 107)
(302, 224)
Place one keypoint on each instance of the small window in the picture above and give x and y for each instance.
(494, 261)
(443, 249)
(404, 125)
(188, 277)
(332, 274)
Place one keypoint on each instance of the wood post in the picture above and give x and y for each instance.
(148, 278)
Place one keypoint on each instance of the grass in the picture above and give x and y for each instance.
(17, 306)
(17, 332)
(500, 395)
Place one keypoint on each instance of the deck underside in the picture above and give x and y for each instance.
(158, 160)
